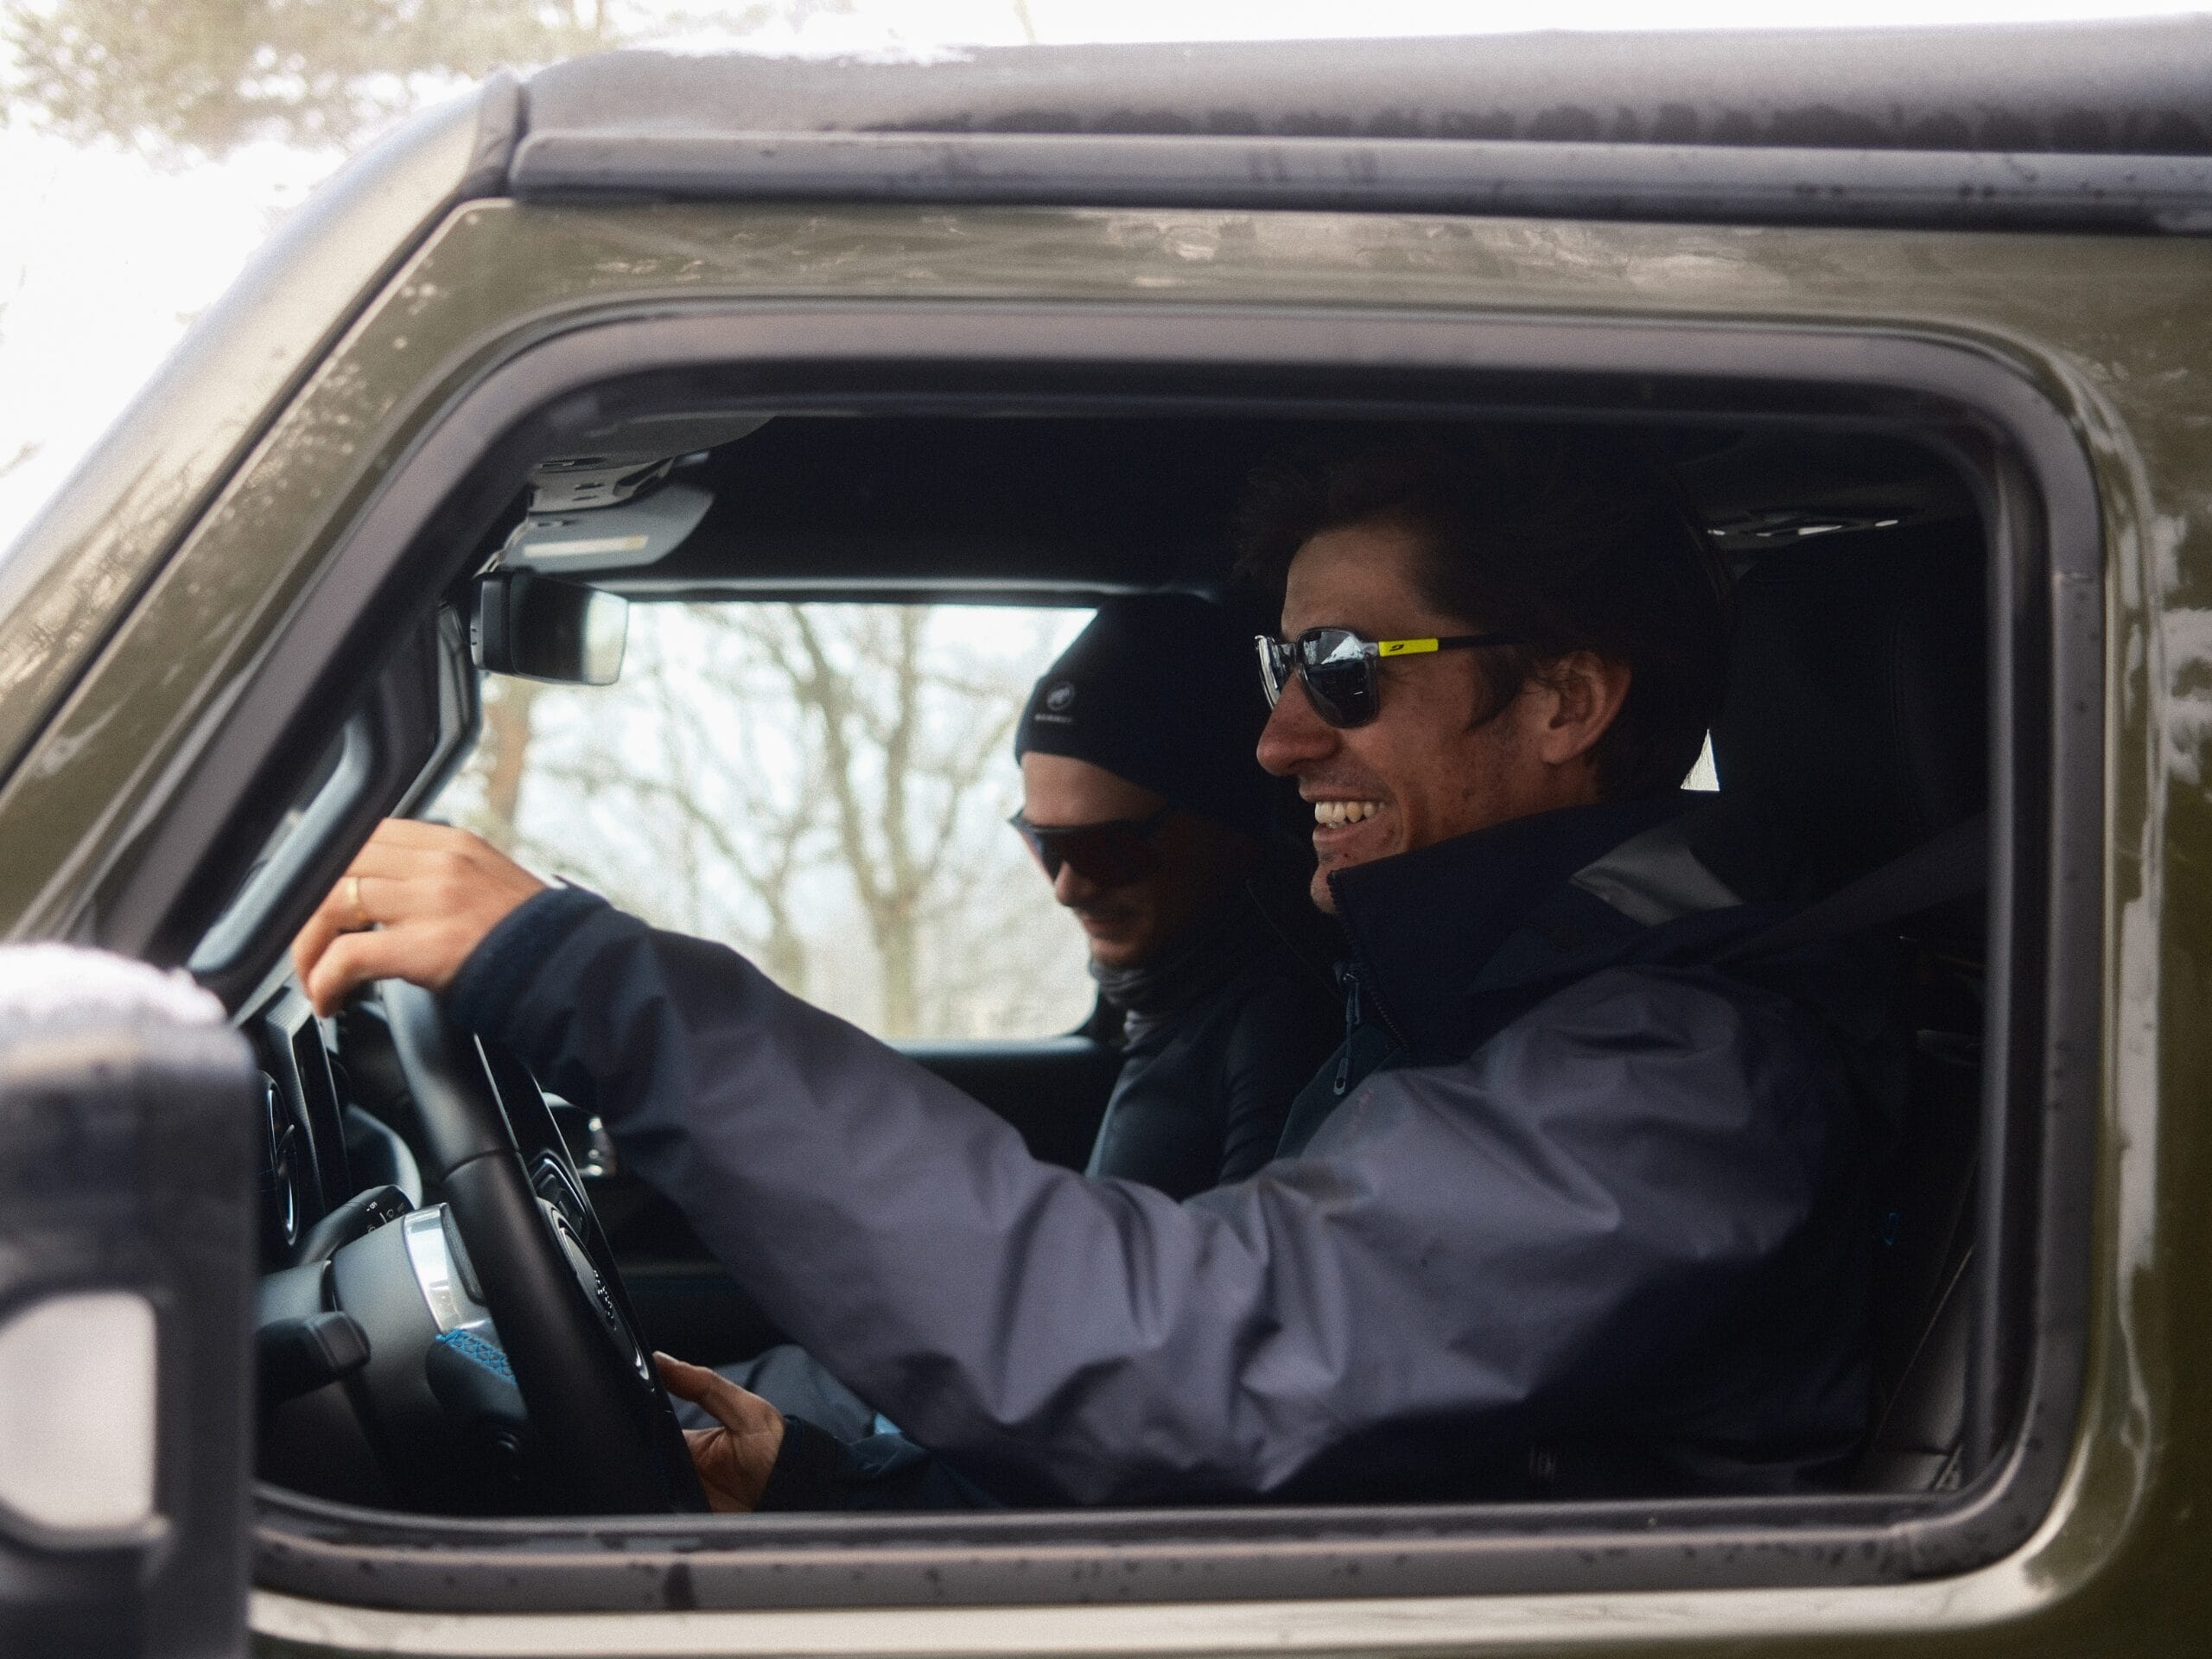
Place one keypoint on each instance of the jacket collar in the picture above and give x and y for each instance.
(1443, 938)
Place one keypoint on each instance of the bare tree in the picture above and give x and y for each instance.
(206, 75)
(819, 784)
(897, 787)
(201, 77)
(504, 756)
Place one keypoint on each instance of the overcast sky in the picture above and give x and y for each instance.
(106, 255)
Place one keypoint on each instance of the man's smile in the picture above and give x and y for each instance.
(1352, 828)
(1328, 815)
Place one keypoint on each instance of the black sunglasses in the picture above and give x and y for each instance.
(1339, 667)
(1111, 854)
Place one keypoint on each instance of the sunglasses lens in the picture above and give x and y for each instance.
(1274, 669)
(1107, 855)
(1339, 676)
(1111, 857)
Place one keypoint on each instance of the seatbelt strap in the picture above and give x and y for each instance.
(1952, 866)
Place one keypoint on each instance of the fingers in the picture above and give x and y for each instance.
(353, 960)
(432, 893)
(735, 1460)
(723, 1400)
(683, 1379)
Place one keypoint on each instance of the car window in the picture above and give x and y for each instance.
(822, 786)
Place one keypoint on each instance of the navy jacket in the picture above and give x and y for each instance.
(1205, 1086)
(1589, 1215)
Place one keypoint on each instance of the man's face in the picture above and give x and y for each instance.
(1129, 922)
(1426, 768)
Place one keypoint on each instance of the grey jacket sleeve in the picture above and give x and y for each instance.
(1524, 1239)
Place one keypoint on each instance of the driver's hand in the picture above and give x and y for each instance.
(413, 905)
(734, 1460)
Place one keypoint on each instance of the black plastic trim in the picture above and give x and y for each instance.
(2048, 743)
(1905, 189)
(127, 1150)
(214, 817)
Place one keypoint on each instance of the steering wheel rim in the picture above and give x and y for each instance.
(611, 1439)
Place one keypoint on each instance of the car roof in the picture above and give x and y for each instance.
(2137, 86)
(1903, 126)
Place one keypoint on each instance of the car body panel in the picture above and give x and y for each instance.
(2110, 331)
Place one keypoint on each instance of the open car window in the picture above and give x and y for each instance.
(822, 786)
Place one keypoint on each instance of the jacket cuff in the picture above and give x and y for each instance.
(499, 969)
(811, 1472)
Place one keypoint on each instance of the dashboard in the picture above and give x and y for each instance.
(318, 1148)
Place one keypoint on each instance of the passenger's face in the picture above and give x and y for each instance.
(1426, 768)
(1198, 863)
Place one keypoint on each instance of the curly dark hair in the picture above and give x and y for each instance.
(1570, 537)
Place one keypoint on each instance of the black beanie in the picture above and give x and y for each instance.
(1162, 689)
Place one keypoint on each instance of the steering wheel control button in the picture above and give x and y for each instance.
(488, 1355)
(475, 1388)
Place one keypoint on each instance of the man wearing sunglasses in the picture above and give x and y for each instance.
(1579, 1209)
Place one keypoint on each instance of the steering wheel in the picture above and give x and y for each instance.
(609, 1439)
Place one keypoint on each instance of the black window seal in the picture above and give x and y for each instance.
(2048, 669)
(1708, 184)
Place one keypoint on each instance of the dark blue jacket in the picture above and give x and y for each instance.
(1590, 1214)
(1206, 1083)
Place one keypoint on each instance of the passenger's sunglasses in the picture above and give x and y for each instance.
(1111, 854)
(1339, 667)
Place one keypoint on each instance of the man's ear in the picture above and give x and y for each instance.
(1586, 692)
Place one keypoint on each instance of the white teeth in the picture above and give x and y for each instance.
(1332, 814)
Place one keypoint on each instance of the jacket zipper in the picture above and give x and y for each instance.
(1348, 980)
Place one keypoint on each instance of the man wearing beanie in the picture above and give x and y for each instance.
(1144, 808)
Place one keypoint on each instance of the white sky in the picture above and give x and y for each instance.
(106, 257)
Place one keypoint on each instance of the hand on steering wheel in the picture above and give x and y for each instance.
(414, 903)
(735, 1459)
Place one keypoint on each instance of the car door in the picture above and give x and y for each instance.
(1743, 275)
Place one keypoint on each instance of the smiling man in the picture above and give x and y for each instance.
(1579, 1208)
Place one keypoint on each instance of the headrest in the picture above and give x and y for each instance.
(1854, 727)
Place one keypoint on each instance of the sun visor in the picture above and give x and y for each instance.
(640, 531)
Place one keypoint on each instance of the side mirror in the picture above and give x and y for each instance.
(127, 1272)
(547, 630)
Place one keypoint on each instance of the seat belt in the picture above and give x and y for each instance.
(1952, 866)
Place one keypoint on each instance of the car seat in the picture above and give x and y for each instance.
(1854, 734)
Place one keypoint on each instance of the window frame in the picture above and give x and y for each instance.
(2046, 607)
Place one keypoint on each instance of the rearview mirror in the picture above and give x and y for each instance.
(547, 630)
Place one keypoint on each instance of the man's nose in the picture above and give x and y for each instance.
(1070, 889)
(1294, 735)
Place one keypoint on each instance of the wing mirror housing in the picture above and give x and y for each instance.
(128, 1145)
(543, 629)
